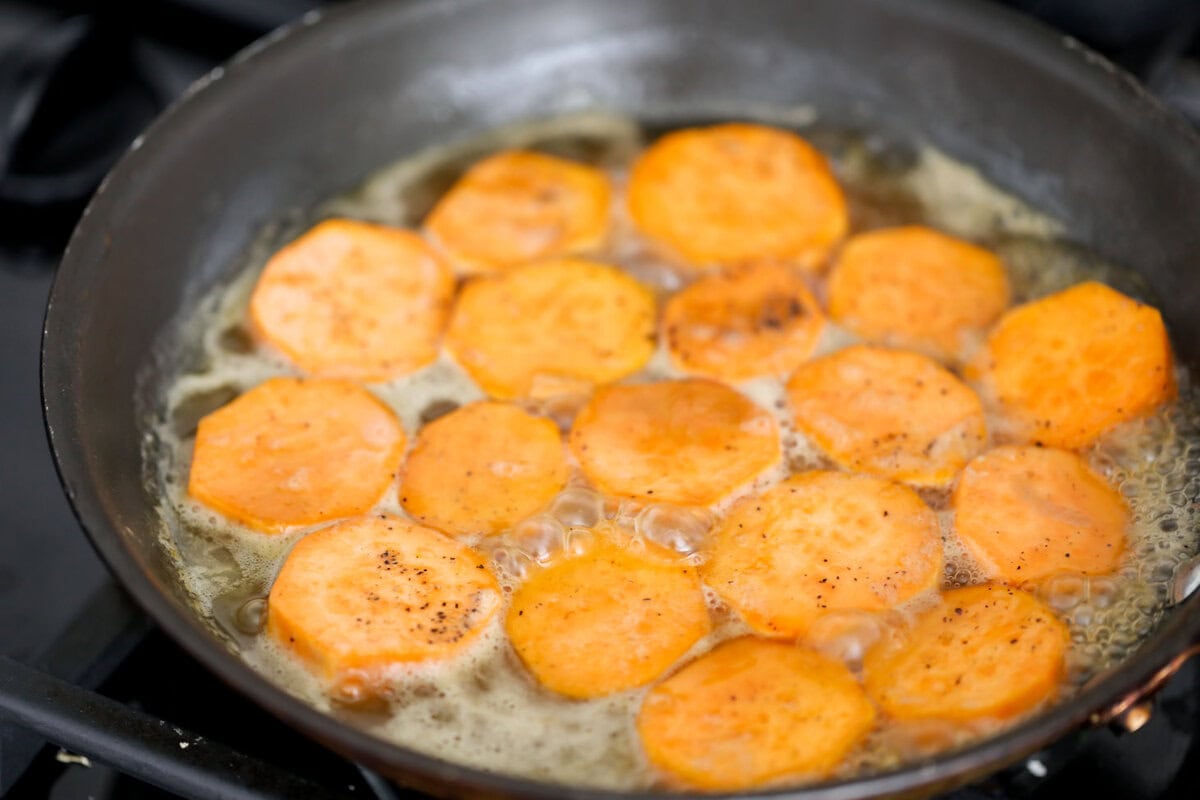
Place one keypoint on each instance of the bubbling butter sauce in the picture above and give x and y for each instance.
(482, 709)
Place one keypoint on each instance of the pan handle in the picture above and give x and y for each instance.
(1134, 709)
(140, 745)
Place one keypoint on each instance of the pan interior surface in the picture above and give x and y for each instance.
(250, 150)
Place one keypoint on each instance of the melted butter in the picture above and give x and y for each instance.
(482, 709)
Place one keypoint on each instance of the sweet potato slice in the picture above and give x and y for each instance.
(519, 206)
(752, 712)
(983, 652)
(756, 319)
(688, 442)
(888, 412)
(353, 300)
(916, 288)
(732, 193)
(481, 468)
(375, 591)
(608, 619)
(1027, 512)
(1062, 370)
(564, 323)
(293, 452)
(823, 541)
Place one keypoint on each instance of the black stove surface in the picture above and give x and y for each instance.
(163, 716)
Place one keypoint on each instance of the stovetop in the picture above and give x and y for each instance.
(81, 660)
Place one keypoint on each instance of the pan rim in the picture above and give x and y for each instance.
(1085, 70)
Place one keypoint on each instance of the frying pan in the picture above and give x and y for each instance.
(311, 111)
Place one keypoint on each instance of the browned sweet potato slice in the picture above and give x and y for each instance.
(564, 324)
(737, 192)
(371, 592)
(823, 541)
(1062, 370)
(983, 652)
(518, 206)
(752, 712)
(608, 619)
(689, 442)
(481, 468)
(889, 413)
(757, 319)
(919, 289)
(294, 452)
(353, 300)
(1027, 512)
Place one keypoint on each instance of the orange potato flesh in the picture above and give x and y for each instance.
(517, 206)
(481, 468)
(293, 452)
(567, 323)
(752, 712)
(353, 300)
(738, 192)
(606, 620)
(375, 591)
(1062, 370)
(889, 413)
(757, 319)
(1027, 512)
(823, 541)
(688, 442)
(984, 652)
(915, 288)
